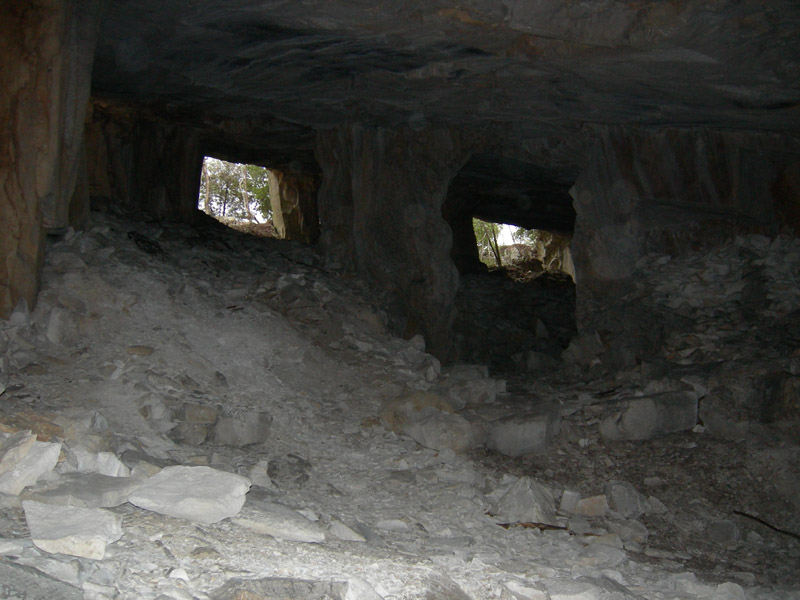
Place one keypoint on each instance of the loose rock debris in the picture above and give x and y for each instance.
(343, 481)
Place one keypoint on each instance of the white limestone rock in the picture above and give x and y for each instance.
(526, 501)
(13, 447)
(525, 433)
(474, 391)
(242, 429)
(569, 500)
(89, 490)
(441, 430)
(62, 327)
(626, 500)
(105, 463)
(11, 546)
(76, 531)
(343, 532)
(25, 470)
(200, 494)
(279, 521)
(642, 418)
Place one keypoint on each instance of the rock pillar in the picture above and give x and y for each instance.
(47, 48)
(294, 205)
(380, 208)
(668, 192)
(142, 166)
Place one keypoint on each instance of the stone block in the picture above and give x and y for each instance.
(626, 500)
(474, 391)
(526, 501)
(442, 430)
(594, 506)
(242, 429)
(641, 418)
(521, 434)
(40, 458)
(629, 530)
(83, 532)
(569, 500)
(13, 447)
(62, 327)
(199, 494)
(192, 434)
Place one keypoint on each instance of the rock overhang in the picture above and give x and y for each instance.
(547, 67)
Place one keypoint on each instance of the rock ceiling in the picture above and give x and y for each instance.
(546, 67)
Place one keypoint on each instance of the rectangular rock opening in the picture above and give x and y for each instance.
(237, 195)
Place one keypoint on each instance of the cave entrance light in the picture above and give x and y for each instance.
(237, 195)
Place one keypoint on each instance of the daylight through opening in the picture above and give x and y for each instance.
(237, 195)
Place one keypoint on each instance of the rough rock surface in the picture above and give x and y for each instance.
(199, 494)
(71, 530)
(252, 326)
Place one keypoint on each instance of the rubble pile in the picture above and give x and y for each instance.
(222, 418)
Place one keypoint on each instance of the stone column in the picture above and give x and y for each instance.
(380, 204)
(294, 205)
(47, 48)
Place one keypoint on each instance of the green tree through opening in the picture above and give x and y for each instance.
(235, 191)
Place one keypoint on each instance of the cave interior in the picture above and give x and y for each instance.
(662, 138)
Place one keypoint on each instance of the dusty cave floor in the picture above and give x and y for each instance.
(703, 479)
(123, 341)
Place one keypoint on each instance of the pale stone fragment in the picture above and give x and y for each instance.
(594, 506)
(279, 521)
(13, 446)
(626, 500)
(90, 490)
(526, 501)
(41, 458)
(343, 532)
(199, 494)
(441, 430)
(242, 429)
(525, 433)
(72, 530)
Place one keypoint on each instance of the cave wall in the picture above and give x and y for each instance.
(47, 49)
(669, 191)
(294, 205)
(142, 166)
(380, 205)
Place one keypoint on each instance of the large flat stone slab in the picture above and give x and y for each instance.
(72, 530)
(89, 490)
(199, 494)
